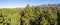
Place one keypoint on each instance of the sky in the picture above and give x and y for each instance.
(23, 3)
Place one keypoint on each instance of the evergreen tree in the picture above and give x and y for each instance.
(52, 14)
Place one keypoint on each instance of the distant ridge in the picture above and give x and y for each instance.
(44, 6)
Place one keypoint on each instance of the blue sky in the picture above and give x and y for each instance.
(22, 3)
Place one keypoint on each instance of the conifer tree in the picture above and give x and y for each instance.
(52, 14)
(15, 20)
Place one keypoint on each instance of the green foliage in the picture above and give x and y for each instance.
(30, 16)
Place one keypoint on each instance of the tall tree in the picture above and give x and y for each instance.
(15, 20)
(52, 14)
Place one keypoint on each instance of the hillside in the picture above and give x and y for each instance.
(44, 6)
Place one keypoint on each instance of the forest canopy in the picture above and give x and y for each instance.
(34, 15)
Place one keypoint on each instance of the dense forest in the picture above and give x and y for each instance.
(30, 15)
